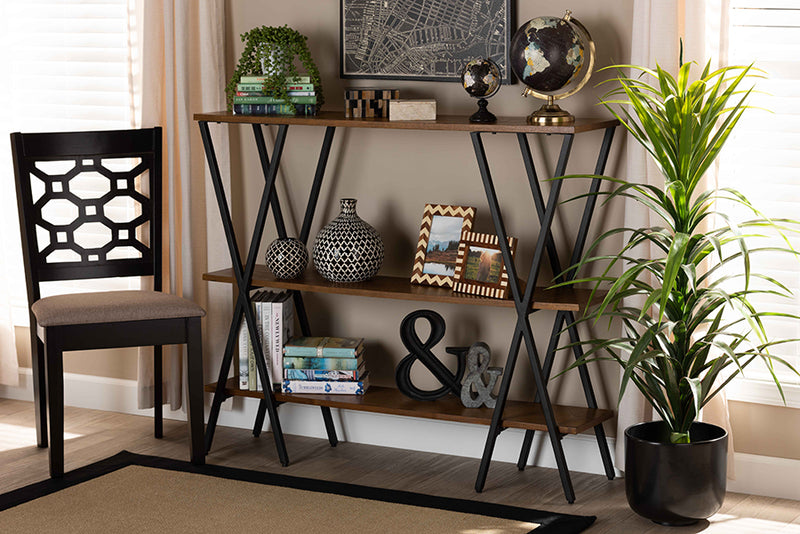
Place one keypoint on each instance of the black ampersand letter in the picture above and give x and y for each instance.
(451, 382)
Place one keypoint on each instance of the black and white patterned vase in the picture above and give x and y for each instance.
(348, 249)
(287, 258)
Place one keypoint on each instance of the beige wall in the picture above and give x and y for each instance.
(394, 173)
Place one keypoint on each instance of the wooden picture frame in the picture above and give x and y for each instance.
(428, 41)
(434, 266)
(480, 269)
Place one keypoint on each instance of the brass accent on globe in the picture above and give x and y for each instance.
(551, 114)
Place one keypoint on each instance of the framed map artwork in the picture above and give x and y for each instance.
(422, 39)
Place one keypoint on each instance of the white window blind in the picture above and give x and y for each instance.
(68, 65)
(762, 161)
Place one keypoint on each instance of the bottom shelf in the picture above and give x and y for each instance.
(517, 414)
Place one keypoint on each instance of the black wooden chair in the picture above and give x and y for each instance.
(130, 245)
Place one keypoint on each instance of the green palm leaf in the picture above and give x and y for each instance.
(693, 327)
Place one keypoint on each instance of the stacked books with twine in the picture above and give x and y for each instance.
(333, 365)
(250, 98)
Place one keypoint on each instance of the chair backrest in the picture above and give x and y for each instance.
(110, 180)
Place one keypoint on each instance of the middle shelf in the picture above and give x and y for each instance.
(399, 288)
(377, 399)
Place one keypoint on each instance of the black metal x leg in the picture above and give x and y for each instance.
(244, 277)
(304, 233)
(522, 304)
(568, 317)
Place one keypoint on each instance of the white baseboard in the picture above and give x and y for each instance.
(92, 392)
(756, 475)
(766, 475)
(411, 433)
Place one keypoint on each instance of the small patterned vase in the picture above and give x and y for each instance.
(348, 249)
(287, 258)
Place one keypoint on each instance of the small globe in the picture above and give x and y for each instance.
(547, 53)
(481, 78)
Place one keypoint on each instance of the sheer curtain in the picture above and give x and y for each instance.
(183, 72)
(65, 67)
(658, 27)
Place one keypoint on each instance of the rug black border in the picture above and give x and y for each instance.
(550, 522)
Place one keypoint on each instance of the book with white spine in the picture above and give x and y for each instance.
(327, 387)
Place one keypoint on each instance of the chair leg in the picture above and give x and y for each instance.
(54, 365)
(158, 392)
(39, 388)
(194, 407)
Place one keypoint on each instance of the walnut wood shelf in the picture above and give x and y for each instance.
(399, 288)
(450, 123)
(567, 302)
(517, 414)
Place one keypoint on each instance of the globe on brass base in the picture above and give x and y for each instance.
(483, 115)
(548, 55)
(551, 114)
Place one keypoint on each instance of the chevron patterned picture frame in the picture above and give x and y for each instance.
(439, 238)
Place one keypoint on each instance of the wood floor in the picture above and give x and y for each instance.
(94, 435)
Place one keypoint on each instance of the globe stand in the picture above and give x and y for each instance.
(550, 114)
(483, 115)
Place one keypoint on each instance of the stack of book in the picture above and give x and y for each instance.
(274, 326)
(324, 365)
(250, 98)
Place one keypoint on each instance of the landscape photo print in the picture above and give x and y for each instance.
(480, 269)
(437, 248)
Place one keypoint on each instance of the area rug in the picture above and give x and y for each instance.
(135, 493)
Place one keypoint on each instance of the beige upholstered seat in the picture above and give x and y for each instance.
(112, 306)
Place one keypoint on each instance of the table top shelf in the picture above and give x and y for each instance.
(399, 288)
(459, 123)
(387, 400)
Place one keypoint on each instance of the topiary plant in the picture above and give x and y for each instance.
(270, 51)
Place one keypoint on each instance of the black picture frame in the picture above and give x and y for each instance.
(347, 40)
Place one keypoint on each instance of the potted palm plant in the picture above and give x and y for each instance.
(688, 323)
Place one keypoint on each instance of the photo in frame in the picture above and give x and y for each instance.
(479, 265)
(439, 237)
(422, 39)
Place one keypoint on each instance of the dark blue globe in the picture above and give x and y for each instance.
(547, 53)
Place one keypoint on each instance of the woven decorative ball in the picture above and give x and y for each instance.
(348, 249)
(287, 257)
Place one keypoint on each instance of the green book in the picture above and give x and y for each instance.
(260, 87)
(324, 347)
(274, 100)
(262, 79)
(300, 87)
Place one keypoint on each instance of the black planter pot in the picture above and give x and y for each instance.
(675, 484)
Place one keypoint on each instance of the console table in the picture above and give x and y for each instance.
(526, 298)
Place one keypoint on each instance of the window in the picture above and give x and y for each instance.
(762, 161)
(69, 65)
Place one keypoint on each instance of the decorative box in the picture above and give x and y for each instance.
(412, 110)
(368, 102)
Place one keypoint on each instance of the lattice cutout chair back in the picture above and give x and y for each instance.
(88, 199)
(90, 207)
